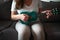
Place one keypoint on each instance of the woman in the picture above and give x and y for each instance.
(22, 29)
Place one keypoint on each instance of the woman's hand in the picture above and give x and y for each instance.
(24, 17)
(48, 13)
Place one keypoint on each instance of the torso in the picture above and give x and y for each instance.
(30, 6)
(28, 2)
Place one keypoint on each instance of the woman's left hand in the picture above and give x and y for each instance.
(48, 13)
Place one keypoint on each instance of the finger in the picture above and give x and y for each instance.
(26, 18)
(47, 17)
(43, 12)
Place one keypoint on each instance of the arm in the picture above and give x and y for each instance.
(13, 11)
(14, 14)
(48, 13)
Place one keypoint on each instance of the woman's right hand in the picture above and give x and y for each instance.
(24, 17)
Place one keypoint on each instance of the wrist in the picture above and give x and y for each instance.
(18, 17)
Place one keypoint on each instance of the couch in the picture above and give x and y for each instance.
(51, 25)
(7, 31)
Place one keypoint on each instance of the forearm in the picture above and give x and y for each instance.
(15, 17)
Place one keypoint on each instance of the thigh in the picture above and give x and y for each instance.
(37, 27)
(38, 31)
(23, 31)
(21, 27)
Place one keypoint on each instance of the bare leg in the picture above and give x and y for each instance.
(23, 31)
(38, 32)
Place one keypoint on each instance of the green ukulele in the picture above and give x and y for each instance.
(33, 17)
(55, 11)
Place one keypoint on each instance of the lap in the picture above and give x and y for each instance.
(37, 28)
(21, 27)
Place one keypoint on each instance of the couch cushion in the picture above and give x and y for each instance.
(52, 31)
(5, 10)
(5, 24)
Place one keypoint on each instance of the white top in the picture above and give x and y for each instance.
(33, 7)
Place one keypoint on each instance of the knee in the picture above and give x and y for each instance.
(37, 28)
(24, 34)
(23, 30)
